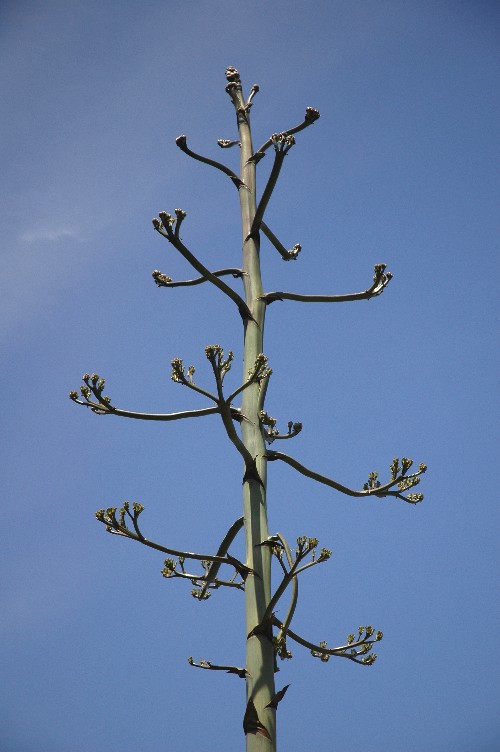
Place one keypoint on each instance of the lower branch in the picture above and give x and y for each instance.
(241, 672)
(373, 486)
(352, 650)
(118, 526)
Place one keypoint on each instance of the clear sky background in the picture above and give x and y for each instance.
(402, 168)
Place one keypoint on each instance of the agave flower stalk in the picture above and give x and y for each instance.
(249, 428)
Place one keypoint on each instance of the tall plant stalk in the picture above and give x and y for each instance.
(249, 428)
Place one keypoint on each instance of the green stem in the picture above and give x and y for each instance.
(260, 651)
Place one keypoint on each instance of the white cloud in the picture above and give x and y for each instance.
(52, 234)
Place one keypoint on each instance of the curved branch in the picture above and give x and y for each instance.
(309, 118)
(108, 518)
(181, 142)
(100, 409)
(340, 652)
(268, 191)
(163, 281)
(369, 490)
(380, 282)
(164, 227)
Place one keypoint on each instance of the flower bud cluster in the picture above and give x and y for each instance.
(93, 386)
(282, 142)
(293, 253)
(260, 370)
(108, 516)
(311, 115)
(281, 648)
(215, 354)
(169, 567)
(372, 482)
(325, 657)
(161, 279)
(177, 374)
(201, 594)
(225, 143)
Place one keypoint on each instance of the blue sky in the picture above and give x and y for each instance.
(402, 168)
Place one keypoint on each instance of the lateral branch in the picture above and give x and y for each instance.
(356, 650)
(118, 526)
(241, 672)
(282, 145)
(381, 279)
(400, 479)
(309, 118)
(101, 405)
(164, 226)
(162, 280)
(181, 142)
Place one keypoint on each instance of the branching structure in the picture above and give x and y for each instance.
(249, 428)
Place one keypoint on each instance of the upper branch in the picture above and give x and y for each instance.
(309, 118)
(282, 145)
(162, 280)
(165, 228)
(181, 142)
(399, 479)
(380, 281)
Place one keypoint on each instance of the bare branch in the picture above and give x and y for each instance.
(164, 227)
(241, 672)
(181, 142)
(285, 255)
(309, 118)
(225, 143)
(373, 487)
(162, 280)
(380, 282)
(253, 92)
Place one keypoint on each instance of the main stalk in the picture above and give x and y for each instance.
(260, 652)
